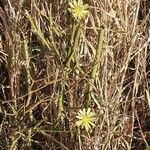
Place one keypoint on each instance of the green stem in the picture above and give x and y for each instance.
(73, 49)
(75, 37)
(60, 100)
(97, 62)
(27, 60)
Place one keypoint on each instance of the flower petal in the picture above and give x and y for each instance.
(88, 111)
(87, 127)
(79, 123)
(71, 5)
(92, 124)
(84, 112)
(79, 117)
(81, 111)
(92, 114)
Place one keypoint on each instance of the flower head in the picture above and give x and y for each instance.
(78, 9)
(86, 119)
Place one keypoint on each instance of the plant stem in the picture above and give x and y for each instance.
(97, 62)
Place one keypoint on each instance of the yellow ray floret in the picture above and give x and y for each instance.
(86, 119)
(78, 9)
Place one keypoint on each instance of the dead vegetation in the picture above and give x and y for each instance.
(50, 68)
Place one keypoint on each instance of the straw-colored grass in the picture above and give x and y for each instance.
(52, 65)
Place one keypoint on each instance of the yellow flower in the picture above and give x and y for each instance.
(86, 119)
(78, 9)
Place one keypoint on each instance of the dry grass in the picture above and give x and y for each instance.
(50, 67)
